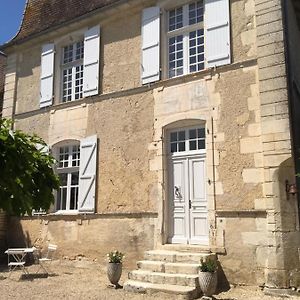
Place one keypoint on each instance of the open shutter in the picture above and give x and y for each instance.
(217, 33)
(150, 44)
(87, 174)
(47, 74)
(91, 61)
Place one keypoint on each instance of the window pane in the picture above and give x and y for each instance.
(192, 133)
(78, 82)
(75, 178)
(74, 198)
(68, 54)
(201, 144)
(61, 199)
(181, 146)
(174, 147)
(79, 50)
(193, 145)
(67, 86)
(173, 136)
(201, 132)
(175, 56)
(63, 178)
(181, 135)
(195, 12)
(196, 51)
(175, 18)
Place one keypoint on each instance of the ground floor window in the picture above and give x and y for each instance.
(68, 171)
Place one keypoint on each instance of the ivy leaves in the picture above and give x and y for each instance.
(27, 179)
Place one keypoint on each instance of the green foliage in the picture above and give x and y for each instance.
(115, 256)
(208, 265)
(27, 179)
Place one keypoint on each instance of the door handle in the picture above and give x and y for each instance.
(177, 192)
(190, 204)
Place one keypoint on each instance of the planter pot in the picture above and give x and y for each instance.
(208, 283)
(114, 272)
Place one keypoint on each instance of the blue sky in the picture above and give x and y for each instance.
(10, 18)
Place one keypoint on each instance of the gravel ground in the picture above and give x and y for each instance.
(87, 280)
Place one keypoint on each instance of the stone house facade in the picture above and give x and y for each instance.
(173, 123)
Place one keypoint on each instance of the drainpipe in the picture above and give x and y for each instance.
(292, 114)
(213, 165)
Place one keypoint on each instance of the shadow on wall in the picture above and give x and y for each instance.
(223, 283)
(15, 236)
(285, 231)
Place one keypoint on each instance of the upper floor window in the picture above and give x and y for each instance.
(77, 67)
(72, 71)
(189, 46)
(186, 39)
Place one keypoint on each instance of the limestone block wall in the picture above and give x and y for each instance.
(281, 257)
(123, 126)
(90, 236)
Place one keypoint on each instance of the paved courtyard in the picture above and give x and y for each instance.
(87, 280)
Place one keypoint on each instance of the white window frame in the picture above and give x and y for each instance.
(71, 65)
(67, 170)
(185, 30)
(187, 140)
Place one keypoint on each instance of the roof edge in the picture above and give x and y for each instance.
(6, 44)
(12, 42)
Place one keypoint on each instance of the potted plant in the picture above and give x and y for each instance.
(114, 267)
(208, 277)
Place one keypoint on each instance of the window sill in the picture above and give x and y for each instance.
(65, 213)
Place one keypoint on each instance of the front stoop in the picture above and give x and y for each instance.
(170, 272)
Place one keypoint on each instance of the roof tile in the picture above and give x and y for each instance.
(43, 14)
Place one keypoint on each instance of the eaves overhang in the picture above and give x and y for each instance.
(16, 40)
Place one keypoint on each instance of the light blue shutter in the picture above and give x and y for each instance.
(217, 33)
(47, 75)
(91, 61)
(87, 174)
(150, 44)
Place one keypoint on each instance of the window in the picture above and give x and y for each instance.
(190, 139)
(72, 71)
(76, 167)
(185, 39)
(68, 171)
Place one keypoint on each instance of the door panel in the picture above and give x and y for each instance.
(198, 210)
(178, 225)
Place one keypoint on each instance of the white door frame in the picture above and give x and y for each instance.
(186, 209)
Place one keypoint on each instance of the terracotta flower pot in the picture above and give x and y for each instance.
(208, 282)
(114, 272)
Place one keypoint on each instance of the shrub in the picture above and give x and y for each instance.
(208, 265)
(115, 256)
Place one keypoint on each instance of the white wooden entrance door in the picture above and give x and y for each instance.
(187, 194)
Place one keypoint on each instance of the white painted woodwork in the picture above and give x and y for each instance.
(150, 45)
(47, 75)
(187, 200)
(87, 174)
(217, 33)
(197, 195)
(91, 61)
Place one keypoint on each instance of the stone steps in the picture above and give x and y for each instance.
(176, 256)
(171, 272)
(185, 292)
(164, 278)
